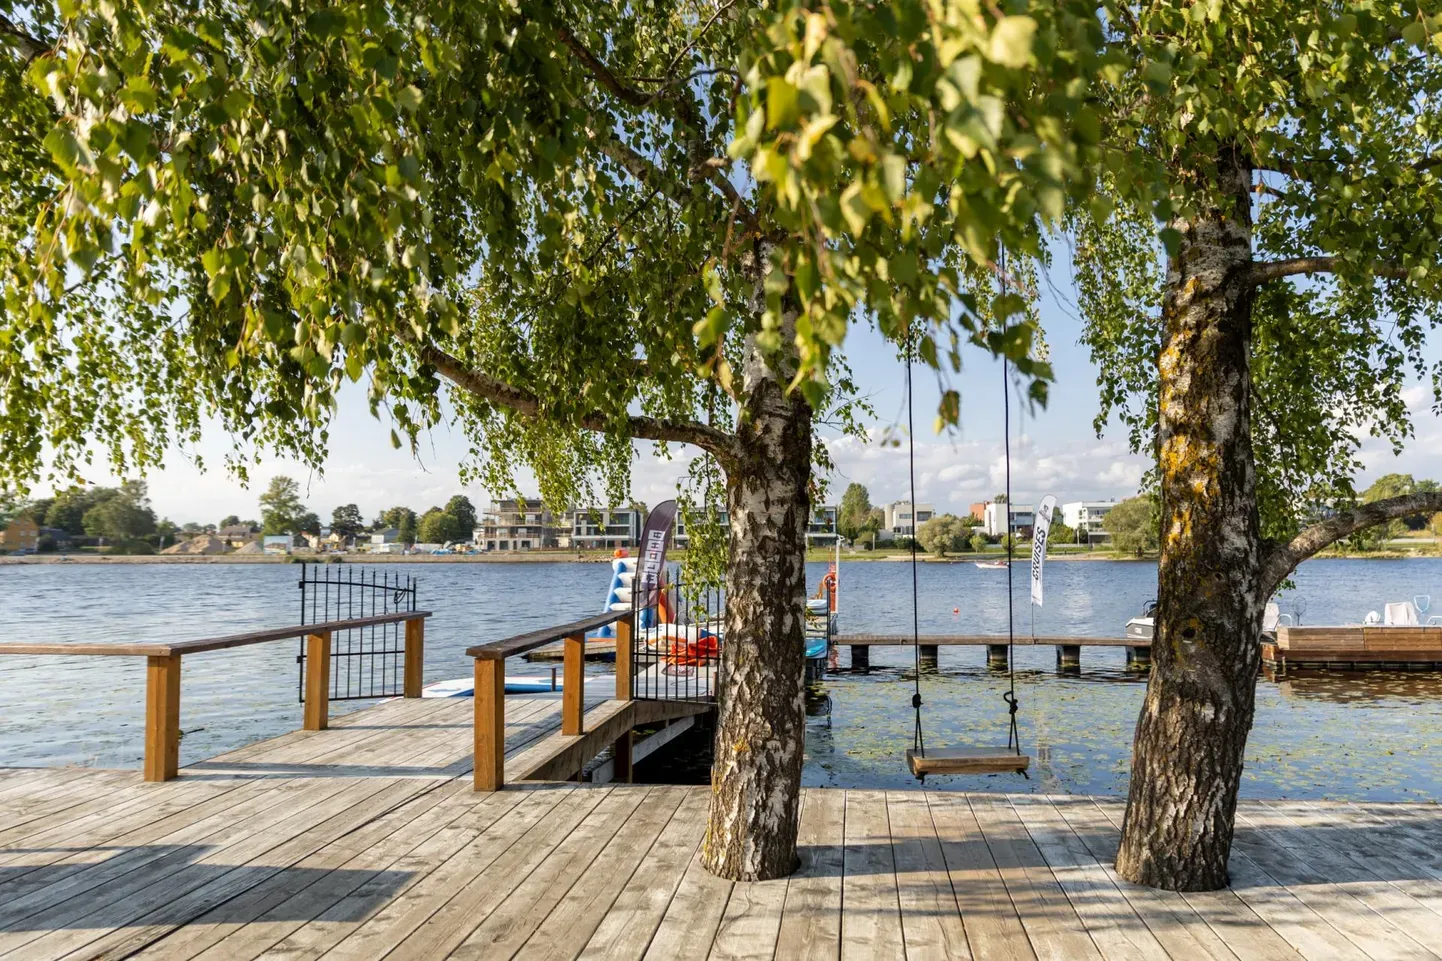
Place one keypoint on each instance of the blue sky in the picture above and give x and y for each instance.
(1055, 451)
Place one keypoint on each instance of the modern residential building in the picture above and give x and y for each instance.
(821, 532)
(994, 519)
(679, 536)
(520, 524)
(1086, 517)
(602, 528)
(23, 534)
(902, 520)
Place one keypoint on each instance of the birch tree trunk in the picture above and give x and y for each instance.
(760, 730)
(1192, 732)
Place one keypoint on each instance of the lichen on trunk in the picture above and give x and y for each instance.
(1192, 732)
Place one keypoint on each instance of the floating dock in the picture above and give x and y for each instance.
(1359, 647)
(366, 840)
(1068, 647)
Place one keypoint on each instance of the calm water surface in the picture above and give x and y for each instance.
(1375, 736)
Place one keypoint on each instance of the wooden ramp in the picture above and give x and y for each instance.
(366, 851)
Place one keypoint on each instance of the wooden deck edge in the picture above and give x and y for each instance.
(560, 756)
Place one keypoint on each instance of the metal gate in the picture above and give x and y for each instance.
(679, 660)
(365, 661)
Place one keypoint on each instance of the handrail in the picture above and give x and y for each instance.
(521, 643)
(212, 643)
(162, 674)
(489, 693)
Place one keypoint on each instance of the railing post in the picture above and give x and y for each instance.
(415, 656)
(625, 656)
(625, 662)
(317, 681)
(162, 717)
(490, 725)
(573, 686)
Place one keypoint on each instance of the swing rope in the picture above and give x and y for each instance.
(1013, 738)
(918, 742)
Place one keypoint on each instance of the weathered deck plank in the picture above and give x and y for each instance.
(366, 841)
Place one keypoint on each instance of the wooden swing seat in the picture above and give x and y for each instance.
(966, 760)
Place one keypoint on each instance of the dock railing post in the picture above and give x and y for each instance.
(490, 725)
(621, 747)
(317, 681)
(415, 664)
(573, 684)
(162, 717)
(625, 662)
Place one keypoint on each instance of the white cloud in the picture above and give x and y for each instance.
(953, 474)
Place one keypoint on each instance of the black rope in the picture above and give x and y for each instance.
(1013, 738)
(918, 742)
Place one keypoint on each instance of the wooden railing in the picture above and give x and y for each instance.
(490, 689)
(162, 674)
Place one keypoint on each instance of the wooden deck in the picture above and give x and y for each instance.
(365, 841)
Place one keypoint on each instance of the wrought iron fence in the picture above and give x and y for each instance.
(368, 661)
(676, 646)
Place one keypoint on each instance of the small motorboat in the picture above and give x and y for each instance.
(1142, 627)
(992, 565)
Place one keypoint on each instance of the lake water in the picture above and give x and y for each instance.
(1375, 736)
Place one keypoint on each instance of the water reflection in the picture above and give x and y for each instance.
(1375, 736)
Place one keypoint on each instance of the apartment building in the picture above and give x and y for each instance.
(1086, 518)
(902, 520)
(602, 528)
(518, 524)
(821, 532)
(994, 519)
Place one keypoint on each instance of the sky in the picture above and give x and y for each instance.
(1054, 451)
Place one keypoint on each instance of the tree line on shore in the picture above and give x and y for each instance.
(571, 227)
(126, 522)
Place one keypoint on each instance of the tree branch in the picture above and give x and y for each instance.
(1281, 558)
(29, 46)
(600, 71)
(1299, 170)
(523, 402)
(702, 169)
(1262, 273)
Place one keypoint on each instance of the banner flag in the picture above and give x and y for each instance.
(653, 551)
(1038, 544)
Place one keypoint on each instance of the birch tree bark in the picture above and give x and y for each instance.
(1190, 737)
(761, 724)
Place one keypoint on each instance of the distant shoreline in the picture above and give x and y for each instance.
(593, 557)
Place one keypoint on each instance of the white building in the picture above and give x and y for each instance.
(821, 532)
(601, 528)
(994, 519)
(902, 521)
(1086, 517)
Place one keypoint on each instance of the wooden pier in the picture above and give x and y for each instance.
(366, 840)
(1068, 647)
(1356, 647)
